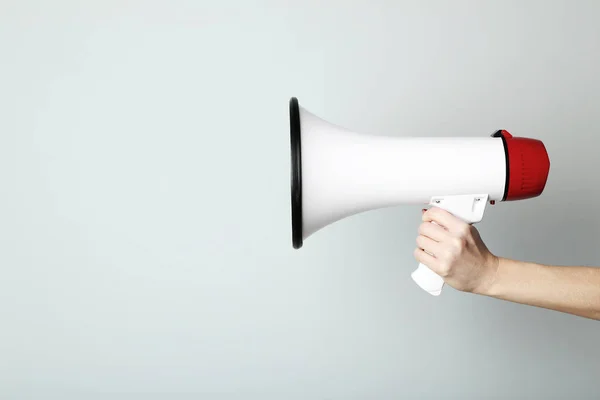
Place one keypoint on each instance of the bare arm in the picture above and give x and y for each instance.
(455, 251)
(574, 290)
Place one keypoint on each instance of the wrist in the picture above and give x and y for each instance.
(491, 267)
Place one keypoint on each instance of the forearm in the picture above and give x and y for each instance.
(574, 290)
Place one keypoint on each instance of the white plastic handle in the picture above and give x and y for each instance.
(469, 208)
(428, 280)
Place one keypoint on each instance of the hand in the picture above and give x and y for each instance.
(454, 250)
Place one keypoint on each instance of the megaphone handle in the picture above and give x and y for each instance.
(469, 208)
(428, 280)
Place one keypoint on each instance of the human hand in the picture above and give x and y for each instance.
(455, 251)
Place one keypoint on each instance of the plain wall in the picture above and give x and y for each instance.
(145, 230)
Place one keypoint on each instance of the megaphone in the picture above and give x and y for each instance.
(336, 173)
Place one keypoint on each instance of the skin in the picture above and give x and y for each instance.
(456, 252)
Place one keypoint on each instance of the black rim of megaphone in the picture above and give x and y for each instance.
(296, 173)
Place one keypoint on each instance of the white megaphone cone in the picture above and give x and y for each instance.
(336, 173)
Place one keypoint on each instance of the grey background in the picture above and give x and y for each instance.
(145, 247)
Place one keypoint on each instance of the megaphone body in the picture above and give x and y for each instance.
(336, 173)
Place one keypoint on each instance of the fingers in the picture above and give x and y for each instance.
(433, 231)
(430, 246)
(445, 219)
(426, 259)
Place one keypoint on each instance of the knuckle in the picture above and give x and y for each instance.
(449, 256)
(465, 230)
(458, 244)
(444, 268)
